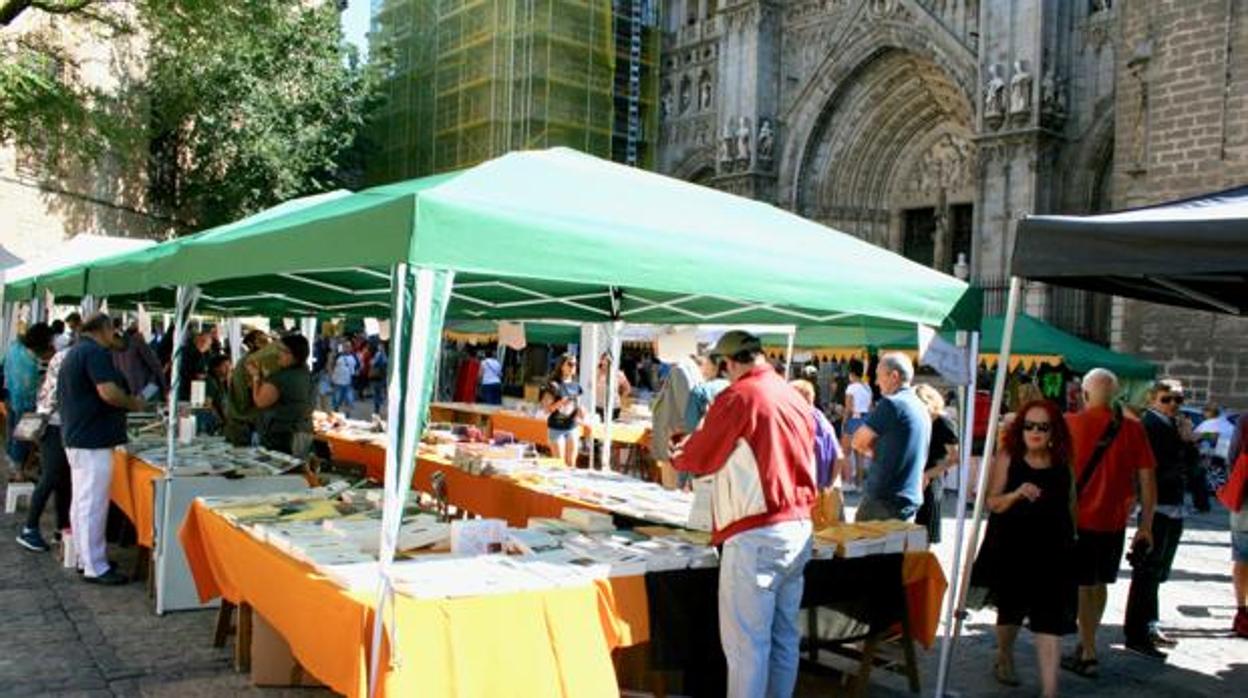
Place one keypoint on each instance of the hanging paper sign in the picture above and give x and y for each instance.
(950, 361)
(511, 335)
(676, 344)
(372, 328)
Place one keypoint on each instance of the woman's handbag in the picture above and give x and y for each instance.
(30, 427)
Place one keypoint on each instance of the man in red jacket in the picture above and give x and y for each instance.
(758, 442)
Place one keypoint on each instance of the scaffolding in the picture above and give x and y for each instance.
(473, 79)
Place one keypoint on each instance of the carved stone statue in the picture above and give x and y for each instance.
(766, 140)
(726, 145)
(704, 93)
(665, 101)
(1052, 96)
(1102, 5)
(994, 93)
(1020, 89)
(743, 140)
(686, 94)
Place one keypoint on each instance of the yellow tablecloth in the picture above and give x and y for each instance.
(133, 491)
(551, 643)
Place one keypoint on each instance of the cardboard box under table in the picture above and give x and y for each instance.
(554, 643)
(138, 489)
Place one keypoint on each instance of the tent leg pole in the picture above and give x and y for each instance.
(990, 442)
(398, 335)
(186, 297)
(617, 328)
(411, 375)
(964, 471)
(788, 356)
(590, 355)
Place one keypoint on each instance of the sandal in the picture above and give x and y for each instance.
(1087, 668)
(1005, 675)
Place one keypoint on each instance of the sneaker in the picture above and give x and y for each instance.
(1145, 648)
(111, 578)
(30, 539)
(1163, 640)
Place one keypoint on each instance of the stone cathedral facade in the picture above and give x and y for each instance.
(932, 126)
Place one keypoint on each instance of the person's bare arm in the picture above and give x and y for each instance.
(115, 396)
(864, 440)
(264, 395)
(1148, 504)
(998, 499)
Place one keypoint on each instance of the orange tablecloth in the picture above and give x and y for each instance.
(493, 497)
(132, 490)
(522, 426)
(462, 413)
(372, 457)
(556, 643)
(925, 583)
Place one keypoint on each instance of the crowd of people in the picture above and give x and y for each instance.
(75, 381)
(1063, 491)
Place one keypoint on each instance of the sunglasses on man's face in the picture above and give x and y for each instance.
(1171, 399)
(1042, 427)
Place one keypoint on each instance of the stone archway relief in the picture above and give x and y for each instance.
(844, 66)
(896, 127)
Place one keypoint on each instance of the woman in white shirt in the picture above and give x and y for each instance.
(858, 398)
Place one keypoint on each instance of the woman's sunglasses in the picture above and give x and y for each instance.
(1042, 427)
(1171, 399)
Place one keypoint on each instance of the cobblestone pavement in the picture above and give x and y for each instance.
(62, 637)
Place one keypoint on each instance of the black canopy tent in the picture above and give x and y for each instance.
(1191, 253)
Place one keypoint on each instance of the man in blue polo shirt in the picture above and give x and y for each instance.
(896, 436)
(93, 403)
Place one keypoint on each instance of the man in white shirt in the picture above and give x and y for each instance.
(491, 379)
(1215, 433)
(858, 398)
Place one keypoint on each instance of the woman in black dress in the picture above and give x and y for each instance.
(942, 454)
(1024, 561)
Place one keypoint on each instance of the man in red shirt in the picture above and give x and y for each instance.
(757, 440)
(1105, 500)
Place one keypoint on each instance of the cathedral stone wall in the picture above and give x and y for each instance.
(931, 127)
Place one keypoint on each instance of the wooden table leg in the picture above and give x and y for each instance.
(865, 665)
(907, 648)
(242, 642)
(225, 621)
(812, 633)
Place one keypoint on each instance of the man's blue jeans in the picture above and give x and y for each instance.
(760, 591)
(343, 395)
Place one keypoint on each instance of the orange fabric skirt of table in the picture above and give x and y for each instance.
(502, 498)
(133, 491)
(557, 643)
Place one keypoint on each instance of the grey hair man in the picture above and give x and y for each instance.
(896, 437)
(1111, 460)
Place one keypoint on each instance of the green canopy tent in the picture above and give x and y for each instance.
(1035, 341)
(541, 234)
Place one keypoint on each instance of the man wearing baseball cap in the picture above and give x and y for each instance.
(757, 441)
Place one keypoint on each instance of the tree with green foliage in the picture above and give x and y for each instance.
(241, 103)
(262, 104)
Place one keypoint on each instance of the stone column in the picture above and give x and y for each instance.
(749, 83)
(1021, 52)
